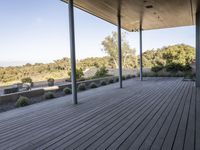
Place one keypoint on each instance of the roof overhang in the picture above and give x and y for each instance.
(152, 14)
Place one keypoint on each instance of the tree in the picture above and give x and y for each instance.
(110, 47)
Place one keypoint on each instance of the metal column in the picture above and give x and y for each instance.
(72, 51)
(198, 49)
(141, 63)
(119, 50)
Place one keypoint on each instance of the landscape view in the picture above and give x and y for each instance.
(99, 75)
(168, 61)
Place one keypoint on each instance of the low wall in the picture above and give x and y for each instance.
(12, 98)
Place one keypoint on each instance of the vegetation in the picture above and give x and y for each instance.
(67, 90)
(173, 59)
(123, 77)
(101, 72)
(103, 83)
(111, 81)
(110, 47)
(81, 87)
(117, 79)
(51, 81)
(22, 101)
(128, 76)
(79, 73)
(49, 95)
(27, 80)
(93, 85)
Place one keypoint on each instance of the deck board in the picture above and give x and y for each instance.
(158, 113)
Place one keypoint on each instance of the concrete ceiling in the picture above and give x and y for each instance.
(154, 14)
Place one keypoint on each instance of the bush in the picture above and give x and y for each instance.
(22, 101)
(50, 82)
(81, 87)
(102, 72)
(117, 79)
(156, 68)
(128, 76)
(187, 68)
(123, 77)
(111, 81)
(67, 90)
(49, 95)
(93, 85)
(103, 83)
(79, 73)
(133, 76)
(27, 80)
(174, 67)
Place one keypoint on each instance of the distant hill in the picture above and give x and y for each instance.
(179, 54)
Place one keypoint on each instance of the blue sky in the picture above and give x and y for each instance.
(37, 31)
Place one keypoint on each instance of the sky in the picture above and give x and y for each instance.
(37, 31)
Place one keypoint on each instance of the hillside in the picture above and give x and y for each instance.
(175, 54)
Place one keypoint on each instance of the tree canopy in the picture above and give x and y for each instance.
(110, 47)
(175, 55)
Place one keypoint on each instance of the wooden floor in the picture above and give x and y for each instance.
(156, 114)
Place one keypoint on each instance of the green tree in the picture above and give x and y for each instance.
(110, 47)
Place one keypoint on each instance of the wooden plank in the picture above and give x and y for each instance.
(156, 122)
(197, 125)
(158, 113)
(99, 142)
(103, 131)
(178, 143)
(153, 134)
(15, 141)
(69, 112)
(70, 138)
(123, 138)
(190, 131)
(172, 131)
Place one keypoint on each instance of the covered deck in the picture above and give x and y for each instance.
(158, 113)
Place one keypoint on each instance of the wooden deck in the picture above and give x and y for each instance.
(158, 113)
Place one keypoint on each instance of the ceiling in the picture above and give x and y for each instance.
(152, 14)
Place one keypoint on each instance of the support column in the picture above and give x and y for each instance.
(120, 51)
(141, 63)
(198, 49)
(72, 51)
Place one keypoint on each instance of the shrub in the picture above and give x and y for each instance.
(128, 76)
(174, 67)
(79, 73)
(111, 81)
(101, 72)
(93, 85)
(187, 68)
(22, 101)
(67, 90)
(133, 76)
(164, 74)
(50, 82)
(156, 68)
(123, 77)
(81, 87)
(117, 79)
(27, 80)
(49, 95)
(103, 83)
